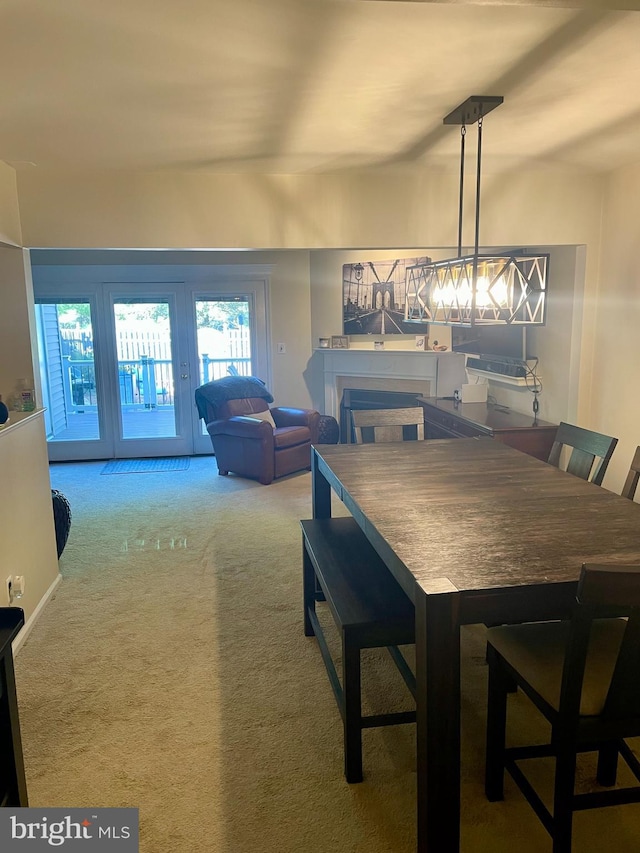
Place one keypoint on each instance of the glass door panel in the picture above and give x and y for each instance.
(146, 387)
(223, 337)
(223, 329)
(71, 385)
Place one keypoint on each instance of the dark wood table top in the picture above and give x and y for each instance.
(486, 415)
(471, 515)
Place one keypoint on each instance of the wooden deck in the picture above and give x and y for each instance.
(142, 423)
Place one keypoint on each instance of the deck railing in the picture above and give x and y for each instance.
(145, 383)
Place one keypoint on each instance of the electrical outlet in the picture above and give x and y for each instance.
(18, 586)
(282, 348)
(8, 590)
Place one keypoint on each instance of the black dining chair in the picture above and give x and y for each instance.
(590, 452)
(631, 483)
(377, 425)
(582, 675)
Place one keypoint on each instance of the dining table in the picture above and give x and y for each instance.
(474, 531)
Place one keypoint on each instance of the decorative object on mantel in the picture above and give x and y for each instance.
(374, 298)
(439, 347)
(422, 342)
(508, 288)
(324, 343)
(339, 342)
(378, 345)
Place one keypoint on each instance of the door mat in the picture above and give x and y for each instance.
(146, 466)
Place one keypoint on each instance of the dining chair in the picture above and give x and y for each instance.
(377, 425)
(586, 447)
(581, 674)
(631, 483)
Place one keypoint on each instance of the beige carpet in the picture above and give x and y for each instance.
(170, 672)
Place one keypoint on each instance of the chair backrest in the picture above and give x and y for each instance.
(590, 454)
(631, 483)
(376, 425)
(605, 592)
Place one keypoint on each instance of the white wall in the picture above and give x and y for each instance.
(10, 231)
(16, 329)
(378, 209)
(27, 537)
(557, 344)
(27, 534)
(615, 404)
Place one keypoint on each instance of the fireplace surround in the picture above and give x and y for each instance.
(427, 374)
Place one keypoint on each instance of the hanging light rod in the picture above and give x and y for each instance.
(475, 107)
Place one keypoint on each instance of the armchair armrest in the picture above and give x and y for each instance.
(285, 417)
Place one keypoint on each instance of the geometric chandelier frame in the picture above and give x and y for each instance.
(507, 289)
(478, 290)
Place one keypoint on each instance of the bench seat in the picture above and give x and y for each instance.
(370, 610)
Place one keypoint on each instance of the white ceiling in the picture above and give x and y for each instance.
(314, 85)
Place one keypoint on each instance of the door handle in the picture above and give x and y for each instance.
(184, 376)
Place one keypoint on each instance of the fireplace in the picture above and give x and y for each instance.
(426, 374)
(363, 398)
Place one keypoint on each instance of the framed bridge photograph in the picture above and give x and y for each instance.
(378, 298)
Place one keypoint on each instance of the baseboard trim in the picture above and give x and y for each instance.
(31, 621)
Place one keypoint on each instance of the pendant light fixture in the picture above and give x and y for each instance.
(504, 289)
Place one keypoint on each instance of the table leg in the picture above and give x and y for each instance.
(438, 722)
(320, 490)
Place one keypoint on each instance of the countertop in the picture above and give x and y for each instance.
(16, 419)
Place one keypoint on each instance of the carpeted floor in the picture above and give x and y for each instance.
(170, 672)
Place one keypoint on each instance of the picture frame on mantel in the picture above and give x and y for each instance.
(339, 342)
(324, 343)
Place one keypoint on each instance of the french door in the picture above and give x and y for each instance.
(120, 360)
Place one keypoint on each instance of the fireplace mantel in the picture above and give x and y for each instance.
(428, 373)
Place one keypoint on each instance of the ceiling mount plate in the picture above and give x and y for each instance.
(470, 110)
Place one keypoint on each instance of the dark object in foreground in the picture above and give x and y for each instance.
(61, 519)
(582, 676)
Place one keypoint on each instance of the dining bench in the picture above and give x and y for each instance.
(370, 610)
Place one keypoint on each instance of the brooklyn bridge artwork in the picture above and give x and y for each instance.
(376, 300)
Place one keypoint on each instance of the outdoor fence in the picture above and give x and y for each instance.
(145, 377)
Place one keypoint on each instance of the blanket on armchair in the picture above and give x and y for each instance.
(229, 388)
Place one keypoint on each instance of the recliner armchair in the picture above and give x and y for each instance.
(260, 443)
